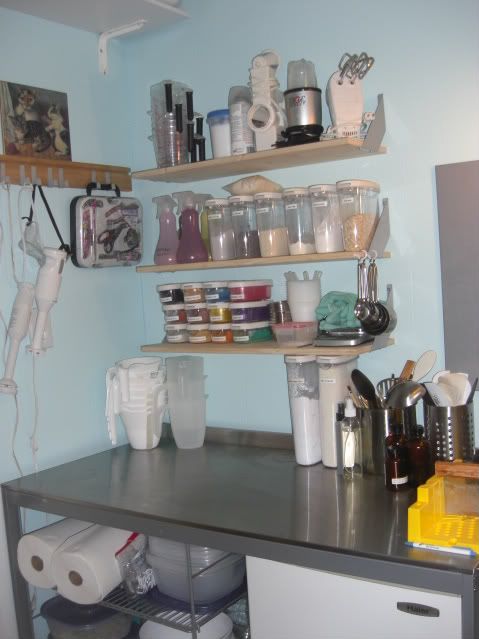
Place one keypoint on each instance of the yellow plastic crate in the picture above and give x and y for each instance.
(436, 518)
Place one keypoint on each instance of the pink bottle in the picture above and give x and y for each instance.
(191, 247)
(167, 245)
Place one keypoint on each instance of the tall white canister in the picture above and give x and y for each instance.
(334, 378)
(303, 390)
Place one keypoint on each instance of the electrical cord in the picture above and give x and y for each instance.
(33, 436)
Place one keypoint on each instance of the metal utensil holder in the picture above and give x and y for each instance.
(450, 431)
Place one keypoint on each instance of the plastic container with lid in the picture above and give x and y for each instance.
(359, 208)
(297, 205)
(68, 620)
(243, 214)
(250, 311)
(220, 230)
(220, 132)
(248, 332)
(250, 290)
(174, 313)
(198, 333)
(270, 218)
(220, 312)
(170, 293)
(221, 333)
(193, 292)
(328, 233)
(295, 333)
(176, 333)
(197, 313)
(216, 292)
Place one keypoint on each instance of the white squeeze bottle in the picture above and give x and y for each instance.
(242, 137)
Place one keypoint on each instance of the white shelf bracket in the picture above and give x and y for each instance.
(114, 33)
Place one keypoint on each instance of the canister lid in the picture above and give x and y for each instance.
(295, 190)
(268, 196)
(218, 305)
(219, 113)
(191, 285)
(173, 307)
(197, 327)
(237, 199)
(322, 188)
(195, 306)
(168, 287)
(220, 327)
(365, 184)
(173, 328)
(217, 201)
(246, 283)
(299, 359)
(249, 326)
(235, 305)
(223, 284)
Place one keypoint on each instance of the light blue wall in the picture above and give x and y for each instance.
(426, 66)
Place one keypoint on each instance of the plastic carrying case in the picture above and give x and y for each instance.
(105, 230)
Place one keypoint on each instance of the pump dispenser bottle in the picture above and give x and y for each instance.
(191, 247)
(167, 245)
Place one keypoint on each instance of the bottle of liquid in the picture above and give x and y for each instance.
(396, 460)
(200, 200)
(419, 457)
(191, 247)
(351, 443)
(242, 137)
(167, 245)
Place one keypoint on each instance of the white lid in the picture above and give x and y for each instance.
(236, 199)
(235, 305)
(335, 359)
(268, 196)
(246, 283)
(219, 327)
(365, 184)
(197, 327)
(249, 325)
(323, 188)
(192, 285)
(168, 287)
(172, 307)
(195, 306)
(215, 284)
(171, 328)
(214, 305)
(217, 202)
(295, 190)
(299, 359)
(350, 409)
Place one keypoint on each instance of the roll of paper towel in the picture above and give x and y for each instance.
(85, 568)
(35, 550)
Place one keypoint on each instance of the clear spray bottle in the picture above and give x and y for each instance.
(167, 244)
(191, 247)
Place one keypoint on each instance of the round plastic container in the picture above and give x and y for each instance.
(174, 313)
(218, 581)
(272, 231)
(175, 550)
(216, 292)
(250, 311)
(220, 230)
(176, 333)
(221, 333)
(170, 293)
(359, 208)
(297, 205)
(220, 313)
(251, 332)
(220, 627)
(197, 313)
(193, 292)
(243, 215)
(328, 232)
(220, 132)
(250, 290)
(68, 620)
(198, 333)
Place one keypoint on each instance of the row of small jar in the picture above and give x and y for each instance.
(242, 333)
(322, 218)
(218, 291)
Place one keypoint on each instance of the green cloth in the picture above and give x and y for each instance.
(336, 310)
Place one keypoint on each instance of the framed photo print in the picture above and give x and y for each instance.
(34, 121)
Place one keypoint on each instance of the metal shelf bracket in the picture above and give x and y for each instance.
(114, 33)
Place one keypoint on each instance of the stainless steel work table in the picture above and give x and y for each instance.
(250, 500)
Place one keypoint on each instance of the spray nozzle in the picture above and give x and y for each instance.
(185, 199)
(164, 203)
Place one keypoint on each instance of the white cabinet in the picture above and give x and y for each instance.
(289, 602)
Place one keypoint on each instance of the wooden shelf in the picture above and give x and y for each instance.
(15, 169)
(257, 261)
(267, 348)
(313, 153)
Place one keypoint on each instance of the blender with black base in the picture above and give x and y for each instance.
(303, 104)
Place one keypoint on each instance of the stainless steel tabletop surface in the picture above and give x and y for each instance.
(251, 493)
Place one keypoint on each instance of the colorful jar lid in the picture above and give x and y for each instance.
(218, 114)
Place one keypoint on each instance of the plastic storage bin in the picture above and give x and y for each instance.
(250, 290)
(250, 311)
(220, 132)
(220, 230)
(272, 231)
(328, 231)
(297, 205)
(170, 293)
(243, 215)
(216, 292)
(295, 333)
(359, 207)
(247, 332)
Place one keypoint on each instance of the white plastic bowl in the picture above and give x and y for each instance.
(220, 627)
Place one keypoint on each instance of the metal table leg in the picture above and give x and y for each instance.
(21, 595)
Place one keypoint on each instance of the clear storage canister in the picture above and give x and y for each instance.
(328, 233)
(297, 205)
(220, 230)
(359, 207)
(272, 231)
(243, 214)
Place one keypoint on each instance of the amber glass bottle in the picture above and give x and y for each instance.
(396, 460)
(419, 458)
